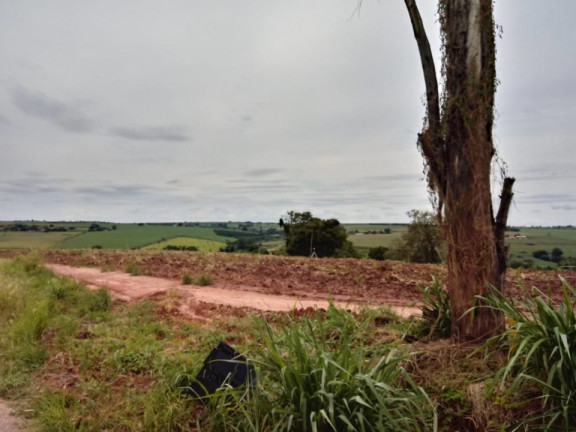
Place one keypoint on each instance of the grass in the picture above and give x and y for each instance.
(33, 240)
(374, 240)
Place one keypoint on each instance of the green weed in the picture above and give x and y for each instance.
(204, 280)
(133, 269)
(436, 320)
(187, 279)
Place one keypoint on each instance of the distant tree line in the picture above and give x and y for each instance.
(21, 227)
(180, 248)
(384, 231)
(95, 227)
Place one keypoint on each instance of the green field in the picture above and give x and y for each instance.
(134, 236)
(33, 240)
(367, 241)
(201, 244)
(529, 240)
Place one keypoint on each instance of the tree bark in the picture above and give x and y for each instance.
(458, 151)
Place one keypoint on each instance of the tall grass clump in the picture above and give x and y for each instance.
(315, 375)
(436, 320)
(541, 345)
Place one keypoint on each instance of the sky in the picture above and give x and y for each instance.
(229, 110)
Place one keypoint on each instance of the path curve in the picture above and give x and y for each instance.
(125, 287)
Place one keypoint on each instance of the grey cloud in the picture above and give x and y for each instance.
(37, 104)
(112, 190)
(39, 185)
(262, 172)
(33, 185)
(565, 207)
(151, 133)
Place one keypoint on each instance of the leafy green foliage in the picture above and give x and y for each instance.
(541, 342)
(378, 253)
(307, 235)
(422, 241)
(436, 320)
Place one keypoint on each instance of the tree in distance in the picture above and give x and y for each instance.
(422, 241)
(378, 253)
(307, 235)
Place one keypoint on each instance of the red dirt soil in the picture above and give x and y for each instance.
(264, 281)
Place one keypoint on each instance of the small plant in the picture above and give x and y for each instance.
(436, 320)
(204, 280)
(133, 269)
(187, 279)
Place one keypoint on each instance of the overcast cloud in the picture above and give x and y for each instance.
(139, 110)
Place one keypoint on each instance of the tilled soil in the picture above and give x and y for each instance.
(390, 283)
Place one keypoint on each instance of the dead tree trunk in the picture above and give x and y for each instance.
(456, 143)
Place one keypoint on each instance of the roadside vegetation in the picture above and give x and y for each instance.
(72, 359)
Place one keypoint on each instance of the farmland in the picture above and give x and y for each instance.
(210, 237)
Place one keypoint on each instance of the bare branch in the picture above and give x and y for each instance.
(430, 140)
(505, 201)
(428, 67)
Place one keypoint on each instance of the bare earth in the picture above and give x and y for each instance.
(192, 299)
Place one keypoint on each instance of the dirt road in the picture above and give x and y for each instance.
(192, 299)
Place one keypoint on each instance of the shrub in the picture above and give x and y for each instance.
(378, 253)
(541, 254)
(187, 279)
(204, 280)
